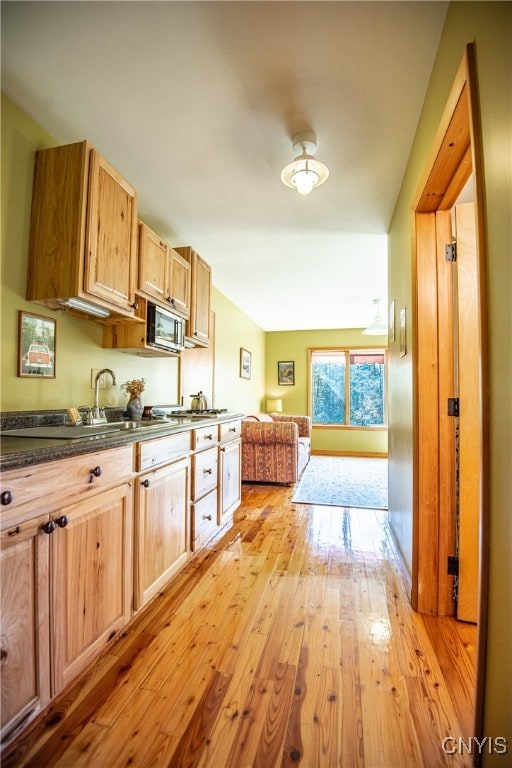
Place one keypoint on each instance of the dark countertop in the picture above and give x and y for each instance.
(19, 452)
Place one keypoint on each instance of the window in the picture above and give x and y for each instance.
(347, 387)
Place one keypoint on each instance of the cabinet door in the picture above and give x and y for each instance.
(111, 239)
(153, 264)
(179, 283)
(24, 653)
(200, 309)
(91, 582)
(162, 528)
(230, 493)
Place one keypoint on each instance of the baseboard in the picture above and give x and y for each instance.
(361, 454)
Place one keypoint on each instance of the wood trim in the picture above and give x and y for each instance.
(445, 605)
(361, 454)
(452, 169)
(426, 512)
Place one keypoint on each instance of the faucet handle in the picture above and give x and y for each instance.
(87, 418)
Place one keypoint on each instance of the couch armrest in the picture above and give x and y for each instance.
(263, 432)
(302, 422)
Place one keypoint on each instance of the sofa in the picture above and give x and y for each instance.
(275, 449)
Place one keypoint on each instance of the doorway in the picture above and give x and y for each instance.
(450, 378)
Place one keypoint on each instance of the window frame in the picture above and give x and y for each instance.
(347, 351)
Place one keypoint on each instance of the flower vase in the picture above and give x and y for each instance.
(135, 408)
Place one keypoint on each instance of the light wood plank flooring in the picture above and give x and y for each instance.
(290, 642)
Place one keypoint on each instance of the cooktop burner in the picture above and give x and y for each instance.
(204, 412)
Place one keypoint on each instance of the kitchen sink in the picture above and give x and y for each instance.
(84, 431)
(156, 424)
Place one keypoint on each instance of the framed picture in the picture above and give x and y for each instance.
(403, 333)
(286, 373)
(245, 363)
(36, 346)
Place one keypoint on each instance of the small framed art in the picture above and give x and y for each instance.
(36, 346)
(286, 373)
(245, 363)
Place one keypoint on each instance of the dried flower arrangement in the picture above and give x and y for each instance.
(134, 387)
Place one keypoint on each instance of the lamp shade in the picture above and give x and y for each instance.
(274, 405)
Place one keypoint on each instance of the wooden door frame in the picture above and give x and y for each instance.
(455, 155)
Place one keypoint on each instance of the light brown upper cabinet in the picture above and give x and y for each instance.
(83, 234)
(198, 326)
(164, 275)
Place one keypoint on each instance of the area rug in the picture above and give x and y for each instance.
(344, 482)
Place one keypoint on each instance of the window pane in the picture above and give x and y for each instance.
(366, 389)
(328, 384)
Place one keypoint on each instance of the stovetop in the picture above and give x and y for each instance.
(200, 413)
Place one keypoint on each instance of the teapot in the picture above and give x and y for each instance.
(199, 402)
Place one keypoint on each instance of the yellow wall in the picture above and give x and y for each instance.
(488, 25)
(293, 345)
(233, 329)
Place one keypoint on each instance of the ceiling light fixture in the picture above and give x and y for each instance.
(305, 171)
(378, 327)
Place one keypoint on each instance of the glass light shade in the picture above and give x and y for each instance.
(304, 180)
(304, 173)
(274, 405)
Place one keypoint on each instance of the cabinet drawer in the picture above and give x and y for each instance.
(204, 473)
(204, 520)
(230, 430)
(41, 487)
(151, 453)
(204, 437)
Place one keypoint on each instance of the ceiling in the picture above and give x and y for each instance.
(195, 103)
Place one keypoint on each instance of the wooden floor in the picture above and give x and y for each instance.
(290, 642)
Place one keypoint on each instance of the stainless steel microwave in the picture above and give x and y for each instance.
(164, 329)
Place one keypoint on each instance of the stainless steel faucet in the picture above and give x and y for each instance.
(98, 414)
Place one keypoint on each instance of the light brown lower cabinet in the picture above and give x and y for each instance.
(230, 486)
(25, 650)
(85, 542)
(91, 581)
(162, 527)
(66, 575)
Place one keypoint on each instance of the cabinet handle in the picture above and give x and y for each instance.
(49, 527)
(6, 497)
(207, 517)
(62, 521)
(171, 300)
(135, 305)
(96, 472)
(145, 483)
(232, 429)
(15, 531)
(208, 437)
(207, 470)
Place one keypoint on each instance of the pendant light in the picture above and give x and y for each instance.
(304, 172)
(378, 327)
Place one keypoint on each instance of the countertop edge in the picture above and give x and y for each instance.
(23, 452)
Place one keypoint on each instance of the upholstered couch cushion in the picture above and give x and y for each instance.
(275, 449)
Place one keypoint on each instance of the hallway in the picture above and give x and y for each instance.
(290, 642)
